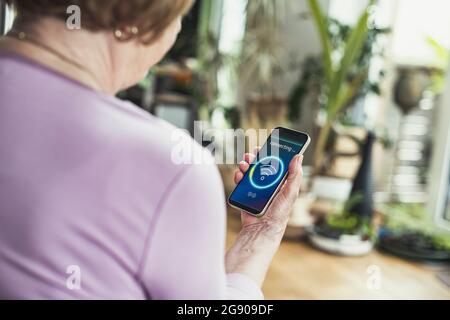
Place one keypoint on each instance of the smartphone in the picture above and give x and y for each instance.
(268, 171)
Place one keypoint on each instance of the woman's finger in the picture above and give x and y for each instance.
(249, 157)
(238, 175)
(243, 166)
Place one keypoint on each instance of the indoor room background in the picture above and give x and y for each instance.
(368, 80)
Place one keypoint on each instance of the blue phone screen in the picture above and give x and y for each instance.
(265, 173)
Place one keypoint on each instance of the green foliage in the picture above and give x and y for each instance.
(442, 60)
(341, 71)
(342, 222)
(415, 218)
(321, 24)
(349, 223)
(339, 92)
(441, 53)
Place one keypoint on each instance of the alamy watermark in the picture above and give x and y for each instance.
(226, 146)
(73, 21)
(73, 281)
(374, 277)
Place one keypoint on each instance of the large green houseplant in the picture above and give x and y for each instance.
(341, 82)
(338, 78)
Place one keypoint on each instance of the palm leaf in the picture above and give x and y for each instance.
(352, 51)
(321, 25)
(346, 94)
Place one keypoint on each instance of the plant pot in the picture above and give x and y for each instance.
(340, 243)
(337, 189)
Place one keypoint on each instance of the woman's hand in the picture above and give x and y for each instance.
(279, 210)
(258, 241)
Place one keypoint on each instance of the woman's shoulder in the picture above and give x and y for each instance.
(119, 131)
(154, 142)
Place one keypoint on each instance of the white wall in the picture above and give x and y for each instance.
(298, 37)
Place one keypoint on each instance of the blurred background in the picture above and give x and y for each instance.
(368, 81)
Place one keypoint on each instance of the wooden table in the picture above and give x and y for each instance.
(299, 271)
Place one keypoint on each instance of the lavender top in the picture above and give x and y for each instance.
(91, 205)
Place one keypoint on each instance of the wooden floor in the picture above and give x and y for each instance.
(301, 272)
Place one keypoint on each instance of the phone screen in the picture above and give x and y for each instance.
(268, 170)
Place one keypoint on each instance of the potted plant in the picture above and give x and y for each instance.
(344, 232)
(350, 232)
(332, 82)
(409, 231)
(339, 76)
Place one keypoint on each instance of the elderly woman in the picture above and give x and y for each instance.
(91, 205)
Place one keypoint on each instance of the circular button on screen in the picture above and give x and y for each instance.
(266, 172)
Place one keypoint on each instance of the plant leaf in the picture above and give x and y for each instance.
(321, 25)
(353, 47)
(346, 93)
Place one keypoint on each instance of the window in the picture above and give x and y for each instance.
(439, 189)
(6, 17)
(417, 21)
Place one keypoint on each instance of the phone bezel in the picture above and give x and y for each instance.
(287, 133)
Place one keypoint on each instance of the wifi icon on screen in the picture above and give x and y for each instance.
(267, 170)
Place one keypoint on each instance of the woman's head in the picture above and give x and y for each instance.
(145, 20)
(147, 28)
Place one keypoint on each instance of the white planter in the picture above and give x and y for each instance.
(332, 188)
(346, 245)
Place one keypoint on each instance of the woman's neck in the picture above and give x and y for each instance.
(78, 54)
